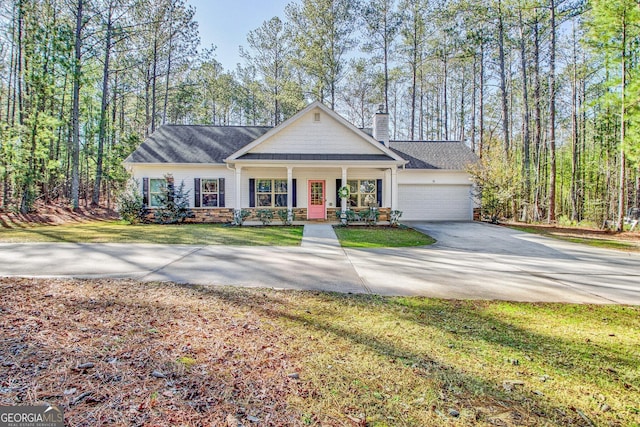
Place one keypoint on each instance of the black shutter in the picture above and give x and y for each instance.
(379, 192)
(221, 192)
(145, 191)
(252, 193)
(196, 192)
(294, 194)
(338, 199)
(171, 189)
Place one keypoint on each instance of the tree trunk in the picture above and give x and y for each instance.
(414, 72)
(154, 76)
(623, 87)
(552, 117)
(503, 81)
(473, 103)
(166, 87)
(526, 163)
(481, 101)
(537, 135)
(95, 199)
(75, 113)
(575, 214)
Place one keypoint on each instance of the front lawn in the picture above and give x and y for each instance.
(187, 234)
(359, 236)
(157, 354)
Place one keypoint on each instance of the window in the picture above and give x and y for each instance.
(363, 192)
(209, 193)
(157, 189)
(271, 193)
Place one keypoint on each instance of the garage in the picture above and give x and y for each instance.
(421, 202)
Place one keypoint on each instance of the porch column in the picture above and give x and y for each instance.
(394, 188)
(289, 193)
(344, 203)
(238, 203)
(344, 183)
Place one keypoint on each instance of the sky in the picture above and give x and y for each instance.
(226, 23)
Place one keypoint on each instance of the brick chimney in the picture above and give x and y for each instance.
(381, 126)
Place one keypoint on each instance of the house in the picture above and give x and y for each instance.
(301, 165)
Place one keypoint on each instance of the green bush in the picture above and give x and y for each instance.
(174, 204)
(265, 215)
(350, 216)
(130, 203)
(370, 216)
(394, 218)
(287, 217)
(239, 216)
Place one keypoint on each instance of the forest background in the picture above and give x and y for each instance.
(545, 92)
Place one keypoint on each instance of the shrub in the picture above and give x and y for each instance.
(350, 216)
(130, 203)
(265, 215)
(174, 204)
(394, 218)
(370, 216)
(239, 216)
(287, 217)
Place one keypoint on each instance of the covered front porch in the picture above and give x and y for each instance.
(311, 192)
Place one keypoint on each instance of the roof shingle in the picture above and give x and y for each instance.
(194, 143)
(212, 144)
(446, 155)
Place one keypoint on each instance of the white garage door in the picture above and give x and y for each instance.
(419, 202)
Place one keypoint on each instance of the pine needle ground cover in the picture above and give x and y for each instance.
(124, 353)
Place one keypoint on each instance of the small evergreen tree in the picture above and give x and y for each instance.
(174, 204)
(130, 203)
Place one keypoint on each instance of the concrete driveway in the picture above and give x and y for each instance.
(482, 261)
(470, 260)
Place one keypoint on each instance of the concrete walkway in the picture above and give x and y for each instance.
(320, 236)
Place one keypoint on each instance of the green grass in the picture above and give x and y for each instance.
(187, 234)
(379, 237)
(357, 359)
(405, 361)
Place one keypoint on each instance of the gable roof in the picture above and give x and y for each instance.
(445, 155)
(383, 153)
(202, 144)
(194, 143)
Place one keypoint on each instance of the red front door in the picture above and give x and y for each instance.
(316, 206)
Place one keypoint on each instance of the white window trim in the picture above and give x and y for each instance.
(273, 193)
(360, 196)
(152, 193)
(202, 192)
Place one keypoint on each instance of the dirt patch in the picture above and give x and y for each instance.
(55, 214)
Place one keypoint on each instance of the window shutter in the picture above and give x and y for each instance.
(379, 192)
(221, 192)
(171, 188)
(338, 199)
(145, 191)
(294, 198)
(196, 192)
(252, 193)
